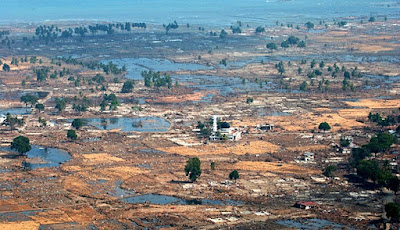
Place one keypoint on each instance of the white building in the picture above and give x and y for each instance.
(307, 157)
(224, 132)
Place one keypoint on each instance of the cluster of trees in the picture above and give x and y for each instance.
(109, 100)
(206, 127)
(61, 103)
(77, 124)
(309, 25)
(6, 68)
(13, 121)
(341, 23)
(319, 69)
(8, 42)
(108, 68)
(280, 67)
(81, 104)
(260, 29)
(51, 33)
(193, 170)
(71, 134)
(112, 68)
(21, 144)
(272, 46)
(47, 33)
(15, 61)
(371, 169)
(389, 120)
(236, 30)
(128, 86)
(291, 41)
(108, 28)
(303, 86)
(99, 79)
(170, 26)
(324, 126)
(223, 34)
(32, 100)
(29, 99)
(42, 74)
(156, 79)
(4, 33)
(392, 211)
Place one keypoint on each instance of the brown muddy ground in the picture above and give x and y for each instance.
(87, 192)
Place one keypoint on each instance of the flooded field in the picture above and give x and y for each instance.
(43, 157)
(135, 66)
(271, 105)
(125, 124)
(16, 111)
(313, 224)
(164, 199)
(222, 85)
(16, 95)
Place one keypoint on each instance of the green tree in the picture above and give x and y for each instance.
(12, 121)
(329, 171)
(21, 144)
(293, 40)
(6, 67)
(303, 86)
(347, 75)
(324, 126)
(342, 23)
(223, 62)
(234, 175)
(39, 107)
(205, 132)
(313, 63)
(77, 123)
(192, 168)
(71, 134)
(299, 70)
(309, 25)
(61, 103)
(98, 78)
(368, 169)
(302, 44)
(223, 34)
(392, 211)
(260, 29)
(272, 46)
(393, 184)
(127, 87)
(380, 143)
(29, 99)
(285, 44)
(212, 165)
(42, 121)
(358, 154)
(371, 19)
(344, 142)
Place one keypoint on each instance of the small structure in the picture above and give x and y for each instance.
(267, 127)
(346, 150)
(307, 157)
(2, 118)
(225, 132)
(305, 204)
